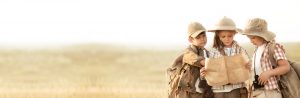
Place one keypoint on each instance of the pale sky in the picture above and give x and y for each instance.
(135, 22)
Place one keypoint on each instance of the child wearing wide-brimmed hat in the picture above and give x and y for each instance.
(265, 83)
(224, 45)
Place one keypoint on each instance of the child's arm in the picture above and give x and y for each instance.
(282, 65)
(193, 59)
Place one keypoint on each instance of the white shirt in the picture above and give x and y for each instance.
(229, 51)
(257, 57)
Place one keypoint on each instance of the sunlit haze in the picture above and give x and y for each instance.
(134, 22)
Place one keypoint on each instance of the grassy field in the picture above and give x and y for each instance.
(90, 71)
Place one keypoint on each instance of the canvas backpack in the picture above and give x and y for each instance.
(290, 82)
(173, 75)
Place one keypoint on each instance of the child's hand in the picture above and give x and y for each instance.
(248, 65)
(202, 62)
(202, 72)
(263, 77)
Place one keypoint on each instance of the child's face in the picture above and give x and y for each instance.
(255, 40)
(226, 37)
(199, 41)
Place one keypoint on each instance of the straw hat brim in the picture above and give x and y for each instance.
(267, 35)
(225, 28)
(195, 34)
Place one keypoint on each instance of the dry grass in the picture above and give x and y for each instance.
(88, 71)
(83, 71)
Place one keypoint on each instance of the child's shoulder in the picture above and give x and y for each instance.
(272, 46)
(189, 56)
(188, 52)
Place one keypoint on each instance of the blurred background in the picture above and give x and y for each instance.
(116, 48)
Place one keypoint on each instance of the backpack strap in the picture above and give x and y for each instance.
(271, 52)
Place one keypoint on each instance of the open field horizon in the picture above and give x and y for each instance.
(92, 71)
(117, 48)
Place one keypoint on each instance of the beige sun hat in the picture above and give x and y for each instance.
(258, 27)
(225, 24)
(195, 28)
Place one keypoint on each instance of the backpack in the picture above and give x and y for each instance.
(173, 75)
(177, 73)
(290, 82)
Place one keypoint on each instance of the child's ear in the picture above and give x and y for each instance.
(190, 39)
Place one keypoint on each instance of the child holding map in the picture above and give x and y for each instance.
(224, 50)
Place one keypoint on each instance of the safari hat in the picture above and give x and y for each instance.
(258, 27)
(225, 24)
(195, 28)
